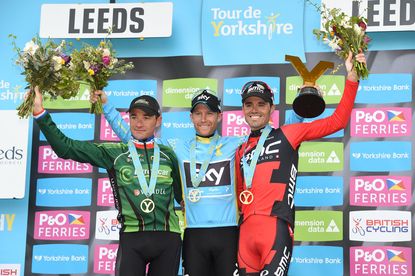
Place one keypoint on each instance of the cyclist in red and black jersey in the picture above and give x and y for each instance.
(266, 167)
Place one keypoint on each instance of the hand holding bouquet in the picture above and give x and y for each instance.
(48, 67)
(96, 65)
(344, 33)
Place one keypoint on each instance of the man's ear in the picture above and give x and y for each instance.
(158, 121)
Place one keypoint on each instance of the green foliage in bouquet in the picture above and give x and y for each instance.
(48, 67)
(96, 65)
(344, 33)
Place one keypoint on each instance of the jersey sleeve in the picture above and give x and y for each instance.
(297, 133)
(238, 176)
(66, 148)
(117, 123)
(177, 182)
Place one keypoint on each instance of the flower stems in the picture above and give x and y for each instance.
(25, 109)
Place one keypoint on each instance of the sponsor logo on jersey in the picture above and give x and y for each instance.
(217, 174)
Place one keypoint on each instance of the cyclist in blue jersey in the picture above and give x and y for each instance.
(211, 234)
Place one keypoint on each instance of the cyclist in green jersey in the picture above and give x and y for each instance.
(150, 233)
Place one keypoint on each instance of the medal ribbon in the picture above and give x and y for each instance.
(148, 190)
(250, 169)
(197, 178)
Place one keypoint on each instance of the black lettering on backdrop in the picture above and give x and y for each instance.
(138, 20)
(72, 29)
(102, 19)
(87, 20)
(119, 20)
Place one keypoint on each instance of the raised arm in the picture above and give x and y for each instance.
(64, 147)
(113, 117)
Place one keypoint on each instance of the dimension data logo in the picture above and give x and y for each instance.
(385, 88)
(317, 259)
(380, 191)
(320, 157)
(380, 226)
(234, 124)
(380, 260)
(104, 258)
(318, 226)
(49, 162)
(331, 87)
(319, 191)
(63, 192)
(381, 122)
(380, 156)
(60, 259)
(62, 225)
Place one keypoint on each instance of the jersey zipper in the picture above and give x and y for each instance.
(149, 177)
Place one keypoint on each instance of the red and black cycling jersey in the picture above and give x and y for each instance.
(274, 180)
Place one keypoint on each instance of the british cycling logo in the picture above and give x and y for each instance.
(247, 22)
(9, 269)
(107, 226)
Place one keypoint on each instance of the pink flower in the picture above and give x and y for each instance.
(106, 60)
(362, 25)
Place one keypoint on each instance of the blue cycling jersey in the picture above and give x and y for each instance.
(217, 206)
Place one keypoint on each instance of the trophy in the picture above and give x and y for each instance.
(309, 102)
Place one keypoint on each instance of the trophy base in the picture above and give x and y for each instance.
(309, 103)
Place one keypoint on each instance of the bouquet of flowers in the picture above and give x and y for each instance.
(48, 67)
(96, 65)
(344, 33)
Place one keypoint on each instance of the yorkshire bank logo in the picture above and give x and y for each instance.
(381, 122)
(316, 258)
(318, 225)
(380, 226)
(380, 191)
(320, 157)
(379, 156)
(177, 125)
(385, 88)
(312, 191)
(380, 260)
(234, 124)
(50, 163)
(62, 225)
(60, 259)
(104, 258)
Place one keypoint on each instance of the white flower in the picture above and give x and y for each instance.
(57, 63)
(357, 29)
(30, 48)
(334, 44)
(87, 65)
(106, 52)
